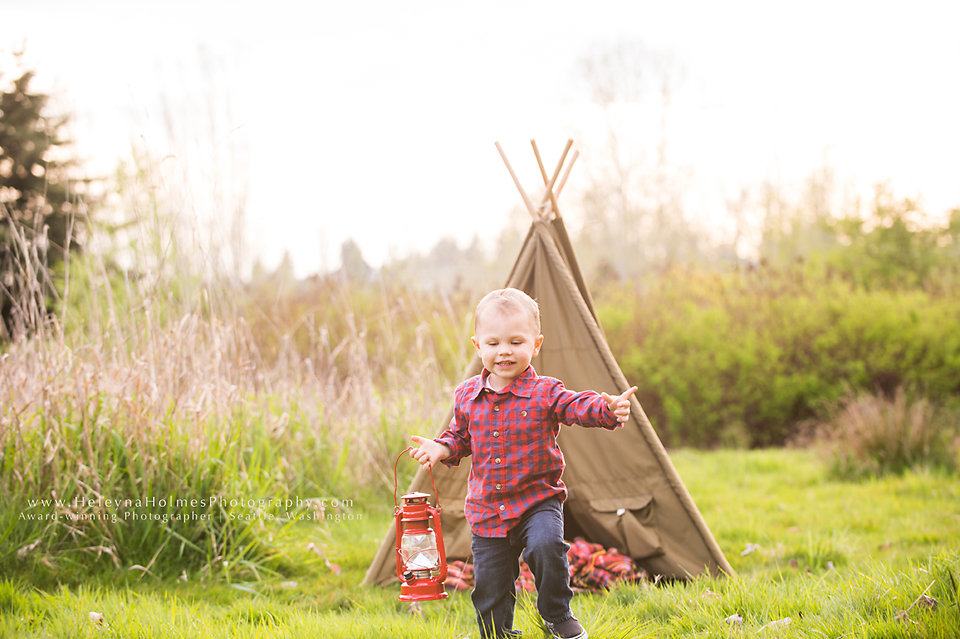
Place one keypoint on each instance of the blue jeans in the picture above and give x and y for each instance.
(496, 562)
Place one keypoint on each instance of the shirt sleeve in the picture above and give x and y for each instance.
(585, 408)
(456, 437)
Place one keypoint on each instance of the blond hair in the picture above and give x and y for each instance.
(508, 299)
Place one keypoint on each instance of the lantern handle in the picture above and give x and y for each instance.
(396, 504)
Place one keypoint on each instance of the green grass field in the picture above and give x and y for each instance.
(879, 558)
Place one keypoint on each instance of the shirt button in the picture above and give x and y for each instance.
(524, 413)
(498, 486)
(502, 507)
(497, 460)
(496, 409)
(496, 433)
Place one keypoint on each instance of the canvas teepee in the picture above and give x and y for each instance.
(623, 490)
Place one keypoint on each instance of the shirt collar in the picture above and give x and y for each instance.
(521, 386)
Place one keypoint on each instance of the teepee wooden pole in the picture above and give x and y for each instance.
(526, 199)
(566, 173)
(536, 152)
(546, 180)
(549, 195)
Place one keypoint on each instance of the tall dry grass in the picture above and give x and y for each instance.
(870, 436)
(158, 376)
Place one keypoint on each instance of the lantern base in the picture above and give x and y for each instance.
(422, 590)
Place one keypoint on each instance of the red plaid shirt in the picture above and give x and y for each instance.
(512, 435)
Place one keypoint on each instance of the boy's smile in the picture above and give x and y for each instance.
(506, 341)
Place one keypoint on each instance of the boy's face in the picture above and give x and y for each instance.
(506, 341)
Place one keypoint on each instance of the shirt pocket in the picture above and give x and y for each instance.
(533, 419)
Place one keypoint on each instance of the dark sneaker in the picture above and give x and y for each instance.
(569, 629)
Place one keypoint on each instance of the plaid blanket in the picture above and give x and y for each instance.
(593, 568)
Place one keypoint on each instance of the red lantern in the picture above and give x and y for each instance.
(421, 558)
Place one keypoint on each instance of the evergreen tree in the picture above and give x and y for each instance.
(39, 220)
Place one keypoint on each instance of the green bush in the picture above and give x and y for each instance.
(745, 358)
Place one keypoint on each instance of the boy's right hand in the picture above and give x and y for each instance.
(428, 452)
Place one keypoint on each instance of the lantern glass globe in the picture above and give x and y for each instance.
(419, 551)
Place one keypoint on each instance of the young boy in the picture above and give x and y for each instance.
(508, 419)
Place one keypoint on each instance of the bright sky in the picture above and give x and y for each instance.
(377, 119)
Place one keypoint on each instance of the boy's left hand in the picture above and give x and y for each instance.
(620, 405)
